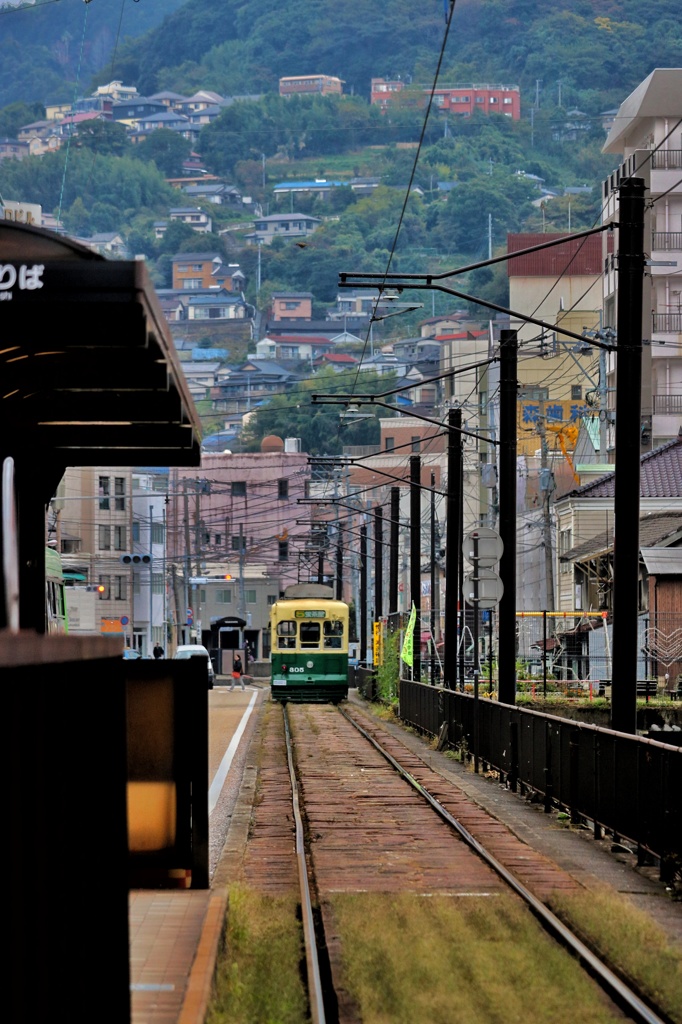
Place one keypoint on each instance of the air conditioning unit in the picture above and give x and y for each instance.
(292, 444)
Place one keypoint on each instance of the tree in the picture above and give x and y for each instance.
(106, 138)
(166, 148)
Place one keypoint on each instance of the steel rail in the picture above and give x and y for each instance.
(619, 992)
(312, 960)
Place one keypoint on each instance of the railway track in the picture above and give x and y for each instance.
(361, 806)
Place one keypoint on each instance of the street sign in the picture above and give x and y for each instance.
(490, 588)
(190, 616)
(490, 546)
(124, 620)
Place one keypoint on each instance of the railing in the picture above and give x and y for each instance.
(627, 785)
(667, 323)
(667, 405)
(666, 241)
(666, 159)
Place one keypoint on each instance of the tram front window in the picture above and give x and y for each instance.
(310, 634)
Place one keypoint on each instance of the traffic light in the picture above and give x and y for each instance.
(136, 559)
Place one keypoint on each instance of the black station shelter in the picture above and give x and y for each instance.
(88, 376)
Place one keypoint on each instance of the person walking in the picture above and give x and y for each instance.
(158, 651)
(237, 672)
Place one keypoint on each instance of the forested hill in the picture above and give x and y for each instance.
(595, 51)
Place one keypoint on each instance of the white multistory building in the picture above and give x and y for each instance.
(647, 131)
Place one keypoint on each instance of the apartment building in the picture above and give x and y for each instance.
(463, 100)
(647, 133)
(299, 85)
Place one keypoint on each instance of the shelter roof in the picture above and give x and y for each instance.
(89, 369)
(660, 475)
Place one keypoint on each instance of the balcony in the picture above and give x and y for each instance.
(667, 323)
(667, 405)
(666, 241)
(666, 159)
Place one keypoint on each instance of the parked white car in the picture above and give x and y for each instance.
(197, 651)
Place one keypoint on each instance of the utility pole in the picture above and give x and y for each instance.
(432, 615)
(378, 563)
(490, 236)
(186, 565)
(628, 452)
(453, 547)
(546, 479)
(415, 560)
(393, 558)
(507, 481)
(363, 594)
(603, 411)
(339, 563)
(242, 592)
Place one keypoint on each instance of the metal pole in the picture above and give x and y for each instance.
(393, 559)
(477, 724)
(339, 566)
(432, 613)
(453, 547)
(378, 563)
(151, 578)
(363, 594)
(461, 607)
(507, 476)
(544, 654)
(415, 559)
(628, 453)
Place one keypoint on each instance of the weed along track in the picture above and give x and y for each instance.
(418, 899)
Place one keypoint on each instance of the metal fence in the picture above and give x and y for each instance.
(627, 785)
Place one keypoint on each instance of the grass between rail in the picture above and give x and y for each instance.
(258, 979)
(410, 959)
(626, 937)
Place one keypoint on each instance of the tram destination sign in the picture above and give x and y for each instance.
(310, 613)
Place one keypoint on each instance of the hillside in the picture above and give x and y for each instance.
(592, 52)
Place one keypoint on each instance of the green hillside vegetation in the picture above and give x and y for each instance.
(47, 48)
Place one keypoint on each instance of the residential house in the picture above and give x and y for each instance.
(202, 100)
(132, 112)
(69, 125)
(13, 149)
(216, 192)
(173, 309)
(117, 91)
(306, 348)
(249, 386)
(217, 304)
(292, 305)
(339, 361)
(283, 225)
(443, 324)
(170, 100)
(646, 134)
(196, 270)
(197, 219)
(109, 243)
(298, 85)
(322, 188)
(285, 328)
(202, 376)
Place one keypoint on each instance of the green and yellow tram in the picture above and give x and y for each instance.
(309, 636)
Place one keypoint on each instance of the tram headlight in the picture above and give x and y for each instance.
(309, 664)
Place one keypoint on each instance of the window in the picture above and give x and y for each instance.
(389, 444)
(283, 554)
(104, 540)
(158, 533)
(272, 598)
(565, 540)
(537, 394)
(136, 530)
(507, 99)
(238, 488)
(414, 443)
(206, 539)
(480, 99)
(493, 99)
(282, 489)
(119, 492)
(576, 391)
(119, 538)
(119, 588)
(310, 634)
(286, 634)
(202, 595)
(291, 305)
(157, 583)
(333, 633)
(136, 583)
(218, 539)
(182, 268)
(105, 581)
(223, 596)
(104, 492)
(250, 596)
(191, 284)
(238, 542)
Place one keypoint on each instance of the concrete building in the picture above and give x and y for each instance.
(647, 133)
(302, 85)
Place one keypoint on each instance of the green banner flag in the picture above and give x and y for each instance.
(407, 649)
